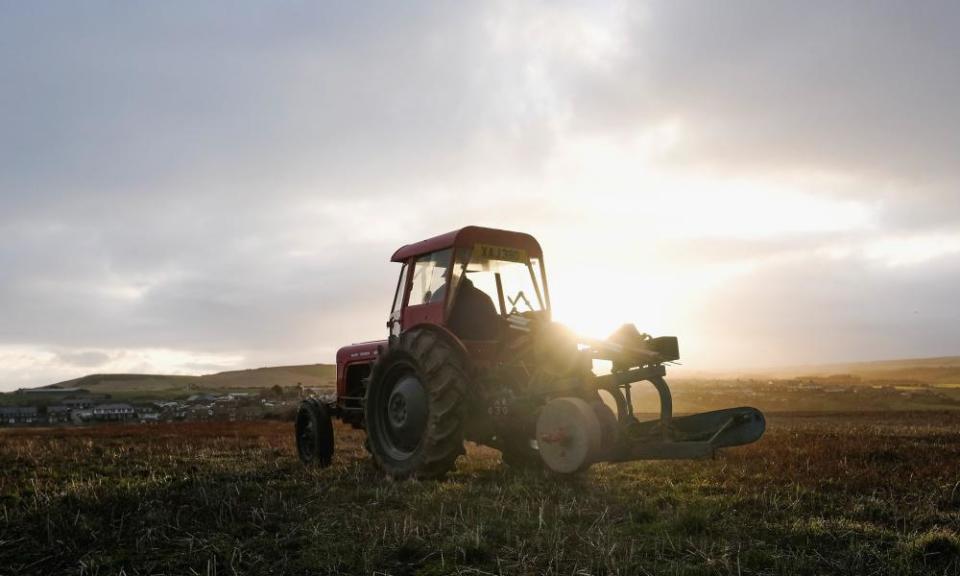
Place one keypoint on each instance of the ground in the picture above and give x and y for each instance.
(819, 494)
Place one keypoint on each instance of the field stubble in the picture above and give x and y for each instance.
(841, 493)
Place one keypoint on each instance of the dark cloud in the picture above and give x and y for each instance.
(113, 110)
(861, 90)
(832, 310)
(88, 359)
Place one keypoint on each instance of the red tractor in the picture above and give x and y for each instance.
(472, 354)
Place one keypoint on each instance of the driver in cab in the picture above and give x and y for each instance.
(474, 315)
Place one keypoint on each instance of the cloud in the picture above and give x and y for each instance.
(30, 365)
(861, 91)
(230, 181)
(831, 311)
(86, 359)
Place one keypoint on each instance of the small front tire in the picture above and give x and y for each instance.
(314, 433)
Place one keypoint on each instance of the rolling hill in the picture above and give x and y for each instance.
(310, 376)
(944, 370)
(917, 384)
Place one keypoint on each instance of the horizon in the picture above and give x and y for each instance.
(677, 370)
(188, 190)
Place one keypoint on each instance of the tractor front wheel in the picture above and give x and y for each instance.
(414, 405)
(314, 431)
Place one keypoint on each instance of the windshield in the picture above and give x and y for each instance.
(506, 275)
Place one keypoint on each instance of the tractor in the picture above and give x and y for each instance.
(473, 354)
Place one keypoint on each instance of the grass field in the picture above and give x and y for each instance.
(837, 494)
(842, 494)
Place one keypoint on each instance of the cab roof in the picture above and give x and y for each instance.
(468, 236)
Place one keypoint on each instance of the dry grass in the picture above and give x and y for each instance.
(839, 494)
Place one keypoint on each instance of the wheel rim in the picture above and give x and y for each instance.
(569, 434)
(401, 411)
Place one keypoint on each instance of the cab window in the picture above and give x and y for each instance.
(398, 295)
(394, 321)
(429, 278)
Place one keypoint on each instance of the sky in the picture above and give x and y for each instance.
(189, 187)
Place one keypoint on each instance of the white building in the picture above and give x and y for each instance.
(118, 412)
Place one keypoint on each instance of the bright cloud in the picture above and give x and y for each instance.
(24, 365)
(913, 250)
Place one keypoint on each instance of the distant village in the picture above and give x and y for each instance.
(56, 406)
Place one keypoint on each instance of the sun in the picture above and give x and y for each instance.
(595, 302)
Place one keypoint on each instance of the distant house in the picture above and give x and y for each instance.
(113, 412)
(58, 414)
(76, 403)
(225, 411)
(199, 412)
(12, 415)
(81, 415)
(147, 413)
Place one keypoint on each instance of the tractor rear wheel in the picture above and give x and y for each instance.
(314, 430)
(415, 405)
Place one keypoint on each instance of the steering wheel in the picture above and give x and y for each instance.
(517, 299)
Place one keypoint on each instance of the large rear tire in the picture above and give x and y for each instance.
(414, 409)
(314, 433)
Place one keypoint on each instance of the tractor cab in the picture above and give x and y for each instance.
(469, 281)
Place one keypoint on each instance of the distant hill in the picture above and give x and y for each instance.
(310, 376)
(934, 371)
(939, 370)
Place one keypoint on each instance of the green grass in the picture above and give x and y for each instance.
(840, 494)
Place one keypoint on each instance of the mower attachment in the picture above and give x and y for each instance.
(693, 436)
(571, 439)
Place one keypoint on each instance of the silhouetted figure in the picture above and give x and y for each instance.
(474, 316)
